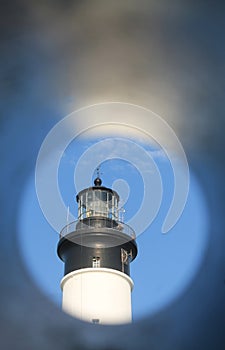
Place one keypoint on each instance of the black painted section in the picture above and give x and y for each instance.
(77, 256)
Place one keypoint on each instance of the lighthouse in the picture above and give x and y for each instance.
(97, 250)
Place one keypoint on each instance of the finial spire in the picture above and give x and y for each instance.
(98, 171)
(98, 180)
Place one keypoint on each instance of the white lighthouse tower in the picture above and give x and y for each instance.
(97, 250)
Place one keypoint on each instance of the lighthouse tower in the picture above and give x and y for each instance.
(97, 250)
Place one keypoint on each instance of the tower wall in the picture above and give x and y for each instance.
(98, 295)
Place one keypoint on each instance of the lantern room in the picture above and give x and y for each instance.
(97, 201)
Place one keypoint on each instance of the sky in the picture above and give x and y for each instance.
(166, 263)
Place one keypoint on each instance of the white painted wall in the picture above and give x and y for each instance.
(98, 293)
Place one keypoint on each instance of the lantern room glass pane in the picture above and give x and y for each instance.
(97, 203)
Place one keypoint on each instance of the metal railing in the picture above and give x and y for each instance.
(94, 223)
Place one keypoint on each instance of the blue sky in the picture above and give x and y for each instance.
(166, 263)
